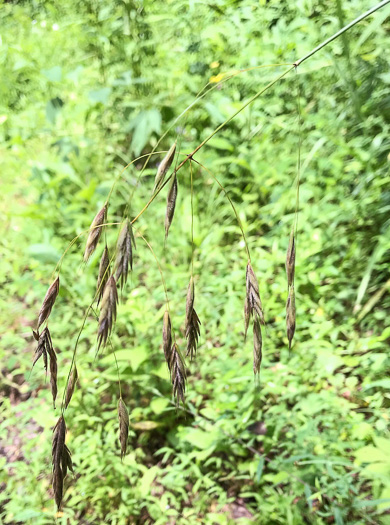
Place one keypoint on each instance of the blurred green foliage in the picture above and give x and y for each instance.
(86, 87)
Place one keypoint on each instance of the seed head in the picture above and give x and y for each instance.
(290, 259)
(164, 167)
(290, 316)
(171, 203)
(48, 301)
(123, 426)
(108, 311)
(94, 233)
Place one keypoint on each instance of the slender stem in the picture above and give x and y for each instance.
(299, 154)
(192, 220)
(162, 276)
(201, 94)
(209, 138)
(90, 307)
(232, 205)
(259, 93)
(117, 369)
(342, 30)
(58, 266)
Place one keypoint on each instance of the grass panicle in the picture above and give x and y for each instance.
(104, 268)
(71, 385)
(290, 260)
(164, 167)
(124, 253)
(171, 204)
(108, 311)
(94, 233)
(167, 337)
(48, 302)
(178, 374)
(290, 316)
(257, 345)
(123, 416)
(61, 460)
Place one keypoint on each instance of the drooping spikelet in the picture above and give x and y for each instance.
(104, 273)
(53, 373)
(167, 337)
(94, 233)
(71, 385)
(192, 326)
(253, 295)
(247, 314)
(253, 308)
(171, 203)
(46, 351)
(192, 335)
(48, 301)
(290, 316)
(108, 311)
(124, 252)
(257, 345)
(164, 167)
(290, 259)
(123, 426)
(61, 460)
(178, 374)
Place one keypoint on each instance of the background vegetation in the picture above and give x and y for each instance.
(85, 88)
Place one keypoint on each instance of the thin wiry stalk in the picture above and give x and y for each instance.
(90, 307)
(57, 269)
(231, 204)
(192, 220)
(261, 92)
(201, 94)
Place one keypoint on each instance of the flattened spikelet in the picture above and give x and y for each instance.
(66, 462)
(71, 386)
(290, 259)
(48, 302)
(108, 311)
(53, 373)
(94, 233)
(253, 294)
(104, 273)
(192, 334)
(124, 254)
(190, 301)
(167, 337)
(247, 314)
(290, 316)
(171, 203)
(123, 426)
(257, 346)
(164, 167)
(192, 326)
(178, 374)
(57, 452)
(45, 349)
